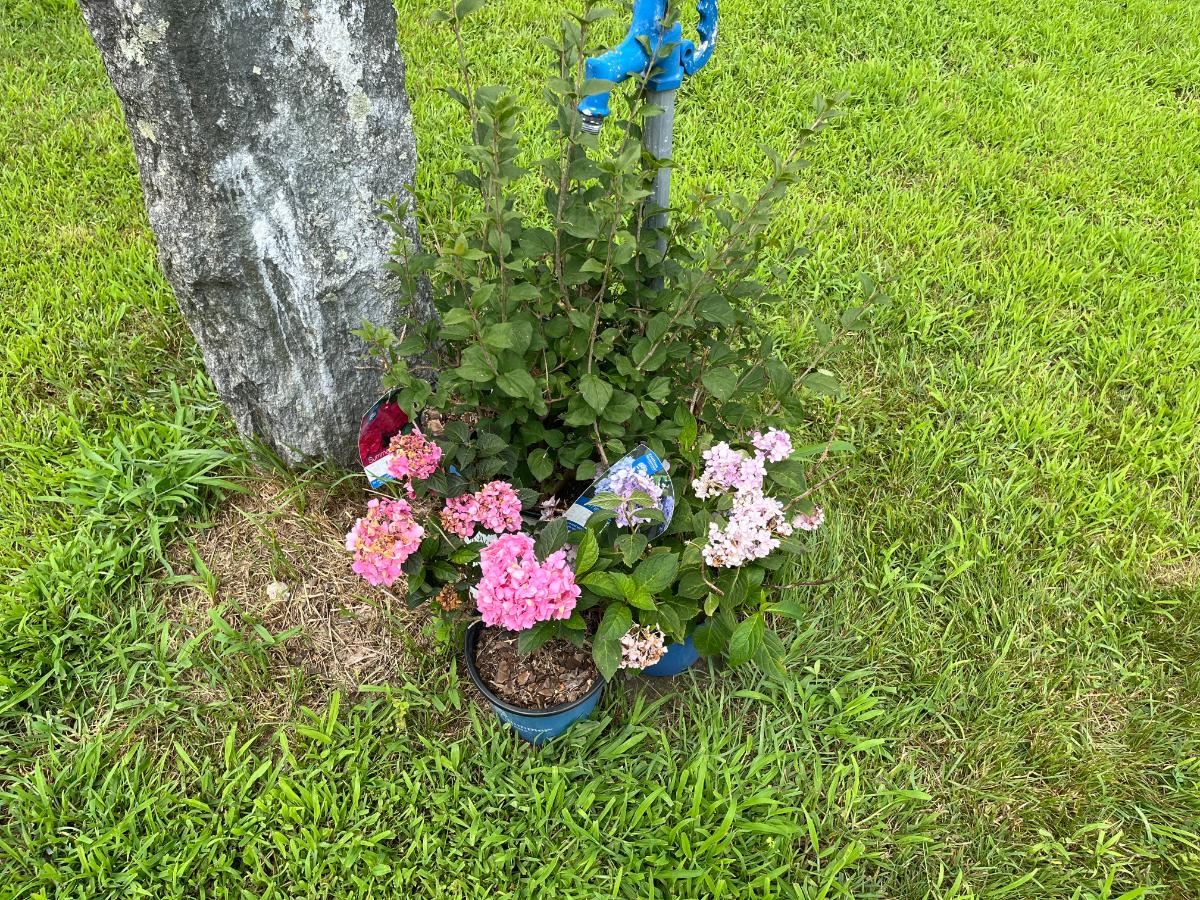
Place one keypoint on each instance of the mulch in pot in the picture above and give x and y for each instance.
(557, 672)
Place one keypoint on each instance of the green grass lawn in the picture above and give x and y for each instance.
(999, 696)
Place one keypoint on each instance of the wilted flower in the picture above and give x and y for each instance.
(448, 598)
(551, 509)
(383, 539)
(809, 521)
(642, 647)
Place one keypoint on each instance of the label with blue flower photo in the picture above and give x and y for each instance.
(640, 472)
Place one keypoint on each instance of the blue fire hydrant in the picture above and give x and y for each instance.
(653, 48)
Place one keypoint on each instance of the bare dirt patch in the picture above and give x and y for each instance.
(276, 556)
(1180, 573)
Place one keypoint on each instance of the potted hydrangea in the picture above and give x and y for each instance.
(568, 346)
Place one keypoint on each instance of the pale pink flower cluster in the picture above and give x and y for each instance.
(809, 521)
(756, 522)
(516, 591)
(775, 445)
(726, 469)
(755, 525)
(642, 647)
(383, 539)
(495, 506)
(414, 458)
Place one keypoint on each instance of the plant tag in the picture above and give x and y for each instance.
(383, 421)
(644, 462)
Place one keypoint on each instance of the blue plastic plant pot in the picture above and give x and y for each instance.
(677, 658)
(534, 725)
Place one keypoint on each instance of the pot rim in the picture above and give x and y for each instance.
(469, 653)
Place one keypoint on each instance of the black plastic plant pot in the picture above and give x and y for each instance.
(535, 725)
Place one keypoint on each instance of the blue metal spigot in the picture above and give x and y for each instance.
(654, 49)
(647, 32)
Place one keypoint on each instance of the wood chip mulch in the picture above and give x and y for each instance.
(557, 672)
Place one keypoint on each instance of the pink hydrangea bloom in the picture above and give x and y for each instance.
(516, 591)
(499, 507)
(414, 458)
(775, 445)
(756, 523)
(727, 469)
(809, 521)
(642, 647)
(460, 515)
(383, 539)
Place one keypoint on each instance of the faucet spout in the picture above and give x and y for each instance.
(650, 48)
(630, 57)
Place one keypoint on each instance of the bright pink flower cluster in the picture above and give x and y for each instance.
(495, 506)
(414, 458)
(775, 445)
(726, 469)
(460, 515)
(499, 507)
(383, 539)
(516, 591)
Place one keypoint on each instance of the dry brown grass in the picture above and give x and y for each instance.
(277, 557)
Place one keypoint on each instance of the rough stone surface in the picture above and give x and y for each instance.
(266, 133)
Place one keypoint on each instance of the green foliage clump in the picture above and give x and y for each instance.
(569, 335)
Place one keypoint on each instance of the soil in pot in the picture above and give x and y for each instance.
(557, 672)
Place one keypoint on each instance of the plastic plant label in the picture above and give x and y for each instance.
(643, 461)
(382, 422)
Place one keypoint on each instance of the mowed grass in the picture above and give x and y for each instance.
(999, 696)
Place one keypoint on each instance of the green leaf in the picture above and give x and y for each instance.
(532, 638)
(488, 444)
(457, 316)
(715, 308)
(553, 536)
(631, 546)
(821, 383)
(789, 608)
(688, 427)
(720, 382)
(498, 336)
(464, 8)
(709, 639)
(656, 572)
(603, 584)
(588, 552)
(540, 464)
(781, 377)
(518, 383)
(596, 391)
(639, 597)
(747, 640)
(606, 646)
(579, 414)
(477, 365)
